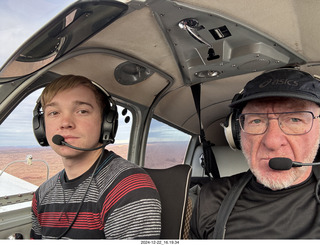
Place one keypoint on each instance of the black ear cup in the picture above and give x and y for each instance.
(109, 125)
(38, 125)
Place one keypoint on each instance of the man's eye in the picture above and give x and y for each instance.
(292, 120)
(295, 119)
(255, 121)
(83, 112)
(52, 113)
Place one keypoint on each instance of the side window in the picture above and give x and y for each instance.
(166, 146)
(25, 163)
(121, 144)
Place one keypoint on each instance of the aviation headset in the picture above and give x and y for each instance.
(109, 123)
(232, 127)
(284, 82)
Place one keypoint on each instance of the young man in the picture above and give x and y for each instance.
(277, 115)
(98, 194)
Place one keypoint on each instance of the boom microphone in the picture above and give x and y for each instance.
(283, 163)
(59, 140)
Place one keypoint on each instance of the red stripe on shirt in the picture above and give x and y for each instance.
(128, 184)
(93, 221)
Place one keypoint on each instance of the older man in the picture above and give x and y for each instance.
(277, 120)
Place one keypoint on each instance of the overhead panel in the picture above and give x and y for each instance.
(209, 46)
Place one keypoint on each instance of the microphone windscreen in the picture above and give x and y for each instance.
(280, 163)
(57, 139)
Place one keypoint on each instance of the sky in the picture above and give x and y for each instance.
(19, 20)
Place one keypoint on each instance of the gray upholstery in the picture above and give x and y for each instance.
(229, 161)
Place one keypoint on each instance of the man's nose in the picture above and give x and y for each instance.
(67, 121)
(274, 137)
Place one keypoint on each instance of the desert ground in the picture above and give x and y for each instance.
(157, 156)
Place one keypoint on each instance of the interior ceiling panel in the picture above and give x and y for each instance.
(139, 35)
(210, 46)
(215, 98)
(101, 67)
(287, 21)
(247, 37)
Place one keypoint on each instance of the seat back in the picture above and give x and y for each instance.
(229, 161)
(173, 185)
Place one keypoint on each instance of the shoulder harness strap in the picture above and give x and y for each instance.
(316, 172)
(209, 162)
(227, 205)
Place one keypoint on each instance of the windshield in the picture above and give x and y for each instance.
(67, 30)
(19, 19)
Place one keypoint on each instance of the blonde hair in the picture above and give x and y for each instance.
(71, 81)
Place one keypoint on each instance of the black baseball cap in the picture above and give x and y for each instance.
(285, 82)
